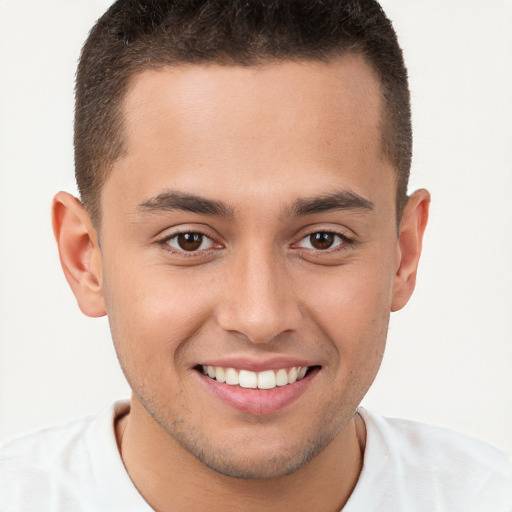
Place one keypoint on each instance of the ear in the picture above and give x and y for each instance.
(79, 252)
(412, 227)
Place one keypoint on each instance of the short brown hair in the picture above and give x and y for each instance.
(136, 35)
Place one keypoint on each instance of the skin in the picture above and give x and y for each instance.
(258, 140)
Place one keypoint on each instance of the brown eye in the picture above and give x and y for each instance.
(190, 242)
(322, 240)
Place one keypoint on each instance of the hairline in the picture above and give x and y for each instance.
(130, 79)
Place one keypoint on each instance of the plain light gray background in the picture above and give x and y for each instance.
(449, 356)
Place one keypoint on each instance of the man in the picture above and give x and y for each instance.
(244, 224)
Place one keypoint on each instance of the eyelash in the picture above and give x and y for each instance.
(344, 243)
(165, 244)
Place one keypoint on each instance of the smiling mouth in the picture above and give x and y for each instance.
(267, 379)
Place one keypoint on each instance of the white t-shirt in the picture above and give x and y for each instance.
(408, 467)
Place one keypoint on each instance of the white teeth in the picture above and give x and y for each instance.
(281, 377)
(220, 374)
(231, 377)
(267, 379)
(292, 375)
(248, 379)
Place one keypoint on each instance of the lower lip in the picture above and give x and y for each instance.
(259, 401)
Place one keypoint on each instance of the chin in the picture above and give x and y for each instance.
(247, 468)
(258, 460)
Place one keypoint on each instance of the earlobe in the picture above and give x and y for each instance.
(79, 252)
(412, 228)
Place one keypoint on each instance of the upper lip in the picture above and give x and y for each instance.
(257, 365)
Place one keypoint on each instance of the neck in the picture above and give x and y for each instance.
(158, 466)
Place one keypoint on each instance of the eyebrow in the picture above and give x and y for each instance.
(179, 201)
(343, 200)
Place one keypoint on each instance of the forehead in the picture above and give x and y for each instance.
(278, 92)
(285, 121)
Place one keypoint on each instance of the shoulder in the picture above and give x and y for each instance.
(74, 464)
(41, 445)
(431, 444)
(32, 466)
(441, 468)
(43, 452)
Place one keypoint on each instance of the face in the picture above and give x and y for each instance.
(249, 233)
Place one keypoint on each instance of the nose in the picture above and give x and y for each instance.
(258, 301)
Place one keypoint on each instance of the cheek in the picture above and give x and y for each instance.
(354, 316)
(352, 307)
(152, 312)
(351, 301)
